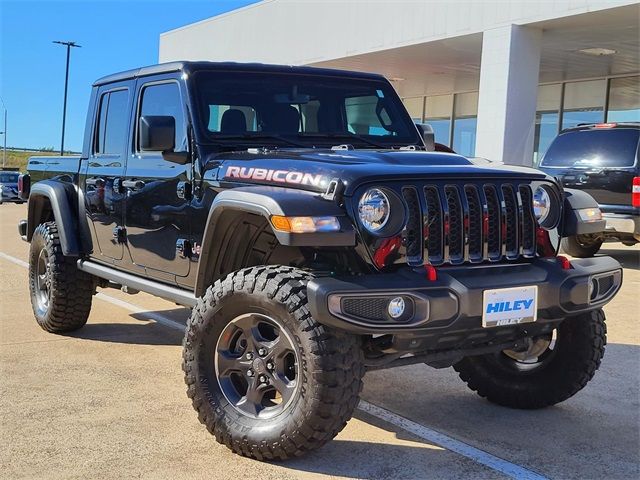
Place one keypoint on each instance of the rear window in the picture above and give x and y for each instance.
(9, 177)
(615, 147)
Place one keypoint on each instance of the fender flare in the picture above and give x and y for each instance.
(65, 205)
(575, 200)
(267, 201)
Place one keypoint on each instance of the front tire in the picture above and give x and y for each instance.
(550, 375)
(581, 246)
(265, 378)
(60, 293)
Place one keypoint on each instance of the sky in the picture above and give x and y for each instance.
(115, 35)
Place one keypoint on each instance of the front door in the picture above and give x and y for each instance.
(157, 212)
(104, 197)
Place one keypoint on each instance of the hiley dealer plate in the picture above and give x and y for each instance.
(510, 306)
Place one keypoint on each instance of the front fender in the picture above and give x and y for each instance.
(575, 200)
(267, 201)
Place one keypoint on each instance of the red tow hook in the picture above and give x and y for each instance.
(564, 262)
(432, 274)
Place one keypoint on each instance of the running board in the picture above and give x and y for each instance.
(177, 295)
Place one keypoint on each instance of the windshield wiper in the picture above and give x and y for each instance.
(260, 136)
(351, 136)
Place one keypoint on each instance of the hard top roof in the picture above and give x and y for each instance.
(228, 66)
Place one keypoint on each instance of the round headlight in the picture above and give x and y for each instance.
(373, 209)
(541, 204)
(546, 207)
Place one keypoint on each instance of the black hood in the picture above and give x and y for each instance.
(313, 169)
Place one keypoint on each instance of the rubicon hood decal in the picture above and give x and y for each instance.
(277, 176)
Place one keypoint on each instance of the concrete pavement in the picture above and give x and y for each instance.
(109, 402)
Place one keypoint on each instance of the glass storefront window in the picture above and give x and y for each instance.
(583, 102)
(465, 123)
(624, 100)
(547, 118)
(415, 107)
(438, 115)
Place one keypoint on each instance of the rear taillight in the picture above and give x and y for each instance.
(24, 186)
(635, 192)
(605, 125)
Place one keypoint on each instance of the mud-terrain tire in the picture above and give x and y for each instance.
(580, 246)
(566, 369)
(325, 380)
(60, 293)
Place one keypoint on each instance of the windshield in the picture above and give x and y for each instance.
(301, 110)
(615, 147)
(8, 177)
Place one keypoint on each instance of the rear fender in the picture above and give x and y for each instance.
(64, 201)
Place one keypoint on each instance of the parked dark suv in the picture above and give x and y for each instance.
(602, 160)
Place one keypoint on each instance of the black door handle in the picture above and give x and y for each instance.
(133, 184)
(95, 182)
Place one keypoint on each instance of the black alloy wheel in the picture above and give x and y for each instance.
(256, 365)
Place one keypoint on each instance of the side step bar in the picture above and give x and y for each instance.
(177, 295)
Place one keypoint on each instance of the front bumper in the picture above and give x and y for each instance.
(454, 302)
(621, 223)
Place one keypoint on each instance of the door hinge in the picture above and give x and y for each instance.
(120, 234)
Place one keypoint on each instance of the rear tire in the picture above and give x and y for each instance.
(581, 246)
(60, 293)
(561, 371)
(289, 413)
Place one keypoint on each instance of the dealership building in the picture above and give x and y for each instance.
(495, 79)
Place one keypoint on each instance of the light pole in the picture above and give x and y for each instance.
(4, 132)
(66, 84)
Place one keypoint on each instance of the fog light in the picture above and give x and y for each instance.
(396, 306)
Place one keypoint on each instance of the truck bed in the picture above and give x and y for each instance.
(41, 168)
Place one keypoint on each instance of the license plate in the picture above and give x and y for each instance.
(509, 306)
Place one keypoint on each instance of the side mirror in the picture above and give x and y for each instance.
(157, 134)
(428, 137)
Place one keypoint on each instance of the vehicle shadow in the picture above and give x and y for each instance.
(396, 455)
(145, 333)
(598, 428)
(628, 257)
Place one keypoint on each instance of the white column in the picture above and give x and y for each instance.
(508, 93)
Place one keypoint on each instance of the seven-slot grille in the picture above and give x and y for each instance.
(458, 223)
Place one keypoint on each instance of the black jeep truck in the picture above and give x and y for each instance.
(301, 214)
(603, 160)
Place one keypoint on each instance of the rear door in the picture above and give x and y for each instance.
(104, 197)
(600, 161)
(157, 210)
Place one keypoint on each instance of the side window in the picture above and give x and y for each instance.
(363, 119)
(164, 100)
(112, 122)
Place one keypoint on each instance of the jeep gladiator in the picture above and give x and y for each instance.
(316, 235)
